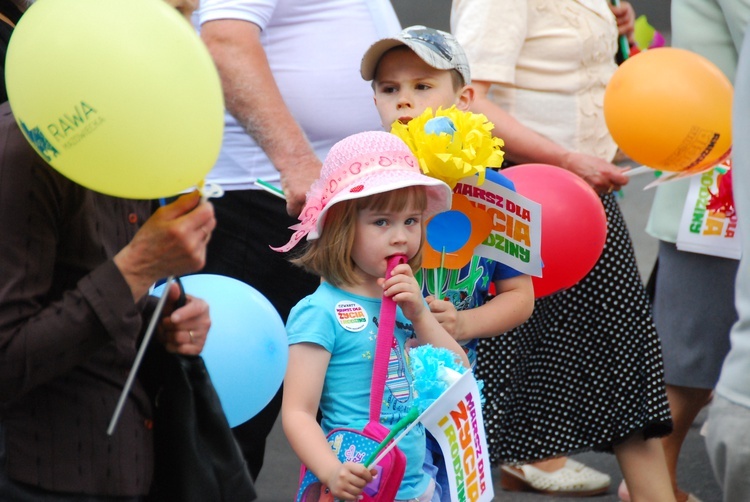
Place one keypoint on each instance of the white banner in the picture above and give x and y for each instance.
(705, 231)
(455, 420)
(515, 239)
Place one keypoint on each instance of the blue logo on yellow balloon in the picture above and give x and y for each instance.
(37, 138)
(66, 131)
(72, 127)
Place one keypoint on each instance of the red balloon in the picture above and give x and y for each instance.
(574, 225)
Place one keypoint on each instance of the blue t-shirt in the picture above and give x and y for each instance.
(346, 325)
(467, 288)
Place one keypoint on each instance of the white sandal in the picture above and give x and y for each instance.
(574, 479)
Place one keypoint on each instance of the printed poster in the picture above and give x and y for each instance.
(516, 236)
(705, 231)
(455, 421)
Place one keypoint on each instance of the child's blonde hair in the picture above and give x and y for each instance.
(330, 255)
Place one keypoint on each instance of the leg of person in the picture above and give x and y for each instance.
(728, 445)
(644, 468)
(248, 222)
(685, 404)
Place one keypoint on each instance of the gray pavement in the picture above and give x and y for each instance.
(278, 480)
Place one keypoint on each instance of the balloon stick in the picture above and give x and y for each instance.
(393, 444)
(441, 275)
(270, 188)
(638, 170)
(139, 357)
(408, 419)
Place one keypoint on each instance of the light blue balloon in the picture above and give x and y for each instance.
(246, 351)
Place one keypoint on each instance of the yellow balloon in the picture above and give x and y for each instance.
(120, 96)
(670, 109)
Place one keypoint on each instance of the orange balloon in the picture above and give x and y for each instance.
(670, 109)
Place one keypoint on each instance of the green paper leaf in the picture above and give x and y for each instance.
(643, 33)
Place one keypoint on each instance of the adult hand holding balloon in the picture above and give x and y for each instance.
(120, 96)
(246, 351)
(670, 109)
(574, 225)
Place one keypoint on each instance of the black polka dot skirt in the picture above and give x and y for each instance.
(585, 372)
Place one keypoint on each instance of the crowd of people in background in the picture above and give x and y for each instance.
(602, 366)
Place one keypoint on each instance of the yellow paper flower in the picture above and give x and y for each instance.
(453, 148)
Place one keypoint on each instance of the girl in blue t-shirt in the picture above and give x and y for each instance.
(369, 204)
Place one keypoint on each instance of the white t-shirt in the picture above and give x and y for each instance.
(314, 49)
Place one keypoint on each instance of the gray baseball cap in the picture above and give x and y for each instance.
(435, 47)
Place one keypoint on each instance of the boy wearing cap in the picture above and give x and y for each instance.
(424, 68)
(417, 69)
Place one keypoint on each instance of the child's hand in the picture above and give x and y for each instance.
(446, 314)
(402, 287)
(348, 481)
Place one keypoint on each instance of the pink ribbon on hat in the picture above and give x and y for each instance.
(326, 187)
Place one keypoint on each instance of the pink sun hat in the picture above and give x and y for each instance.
(361, 165)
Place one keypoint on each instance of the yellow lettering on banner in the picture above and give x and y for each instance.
(522, 233)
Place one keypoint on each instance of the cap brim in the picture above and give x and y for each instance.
(372, 57)
(374, 53)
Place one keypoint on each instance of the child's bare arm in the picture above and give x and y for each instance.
(303, 385)
(403, 288)
(513, 304)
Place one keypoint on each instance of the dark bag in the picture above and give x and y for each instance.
(196, 456)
